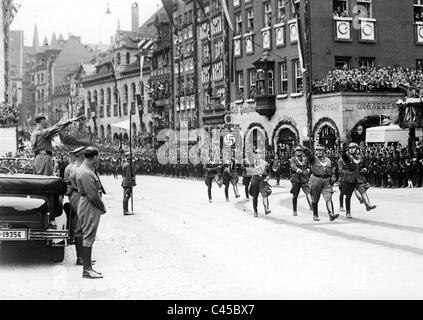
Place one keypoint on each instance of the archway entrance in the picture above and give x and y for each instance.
(358, 132)
(327, 137)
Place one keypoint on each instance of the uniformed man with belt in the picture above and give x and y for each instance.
(300, 175)
(42, 146)
(128, 183)
(74, 196)
(321, 181)
(90, 208)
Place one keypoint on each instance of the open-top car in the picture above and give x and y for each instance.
(29, 205)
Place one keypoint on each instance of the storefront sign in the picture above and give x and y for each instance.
(377, 106)
(326, 107)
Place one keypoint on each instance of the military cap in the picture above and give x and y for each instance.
(90, 152)
(40, 116)
(77, 151)
(320, 148)
(353, 145)
(298, 148)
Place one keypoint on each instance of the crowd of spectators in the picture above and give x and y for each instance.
(369, 79)
(9, 115)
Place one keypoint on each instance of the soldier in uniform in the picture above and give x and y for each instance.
(246, 177)
(74, 223)
(42, 146)
(321, 181)
(300, 175)
(212, 174)
(260, 183)
(128, 183)
(354, 179)
(90, 208)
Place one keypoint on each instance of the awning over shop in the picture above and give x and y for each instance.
(122, 125)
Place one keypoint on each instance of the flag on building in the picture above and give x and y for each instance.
(227, 15)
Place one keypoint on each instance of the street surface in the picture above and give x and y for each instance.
(178, 246)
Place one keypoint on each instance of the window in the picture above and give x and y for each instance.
(367, 62)
(298, 77)
(271, 83)
(240, 84)
(206, 52)
(343, 63)
(284, 78)
(250, 20)
(418, 10)
(219, 49)
(128, 58)
(118, 58)
(238, 19)
(252, 80)
(281, 10)
(340, 8)
(295, 8)
(366, 6)
(419, 64)
(236, 3)
(267, 14)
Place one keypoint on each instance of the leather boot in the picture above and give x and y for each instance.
(366, 201)
(88, 271)
(315, 211)
(349, 215)
(332, 216)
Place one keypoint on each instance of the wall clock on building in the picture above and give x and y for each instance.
(343, 28)
(367, 30)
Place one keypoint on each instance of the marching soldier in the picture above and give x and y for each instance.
(42, 146)
(90, 208)
(128, 183)
(300, 174)
(354, 179)
(321, 181)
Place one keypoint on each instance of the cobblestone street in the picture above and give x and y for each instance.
(178, 246)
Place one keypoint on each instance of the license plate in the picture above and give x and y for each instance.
(13, 235)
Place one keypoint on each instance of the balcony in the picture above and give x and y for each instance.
(265, 97)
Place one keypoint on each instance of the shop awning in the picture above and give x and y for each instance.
(122, 125)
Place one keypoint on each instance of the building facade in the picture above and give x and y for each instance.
(116, 88)
(269, 87)
(267, 92)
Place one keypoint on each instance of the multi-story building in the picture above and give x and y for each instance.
(115, 88)
(161, 77)
(269, 92)
(16, 67)
(50, 66)
(267, 96)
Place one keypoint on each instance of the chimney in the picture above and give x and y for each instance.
(135, 17)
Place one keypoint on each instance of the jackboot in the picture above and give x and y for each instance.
(332, 216)
(315, 207)
(366, 201)
(88, 271)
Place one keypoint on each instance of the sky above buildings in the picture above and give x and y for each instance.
(85, 18)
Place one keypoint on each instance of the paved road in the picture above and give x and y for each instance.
(178, 246)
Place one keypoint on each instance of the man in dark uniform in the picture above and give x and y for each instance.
(300, 175)
(321, 181)
(128, 183)
(354, 179)
(90, 208)
(42, 146)
(76, 158)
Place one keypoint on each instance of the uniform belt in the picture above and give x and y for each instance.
(45, 152)
(321, 176)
